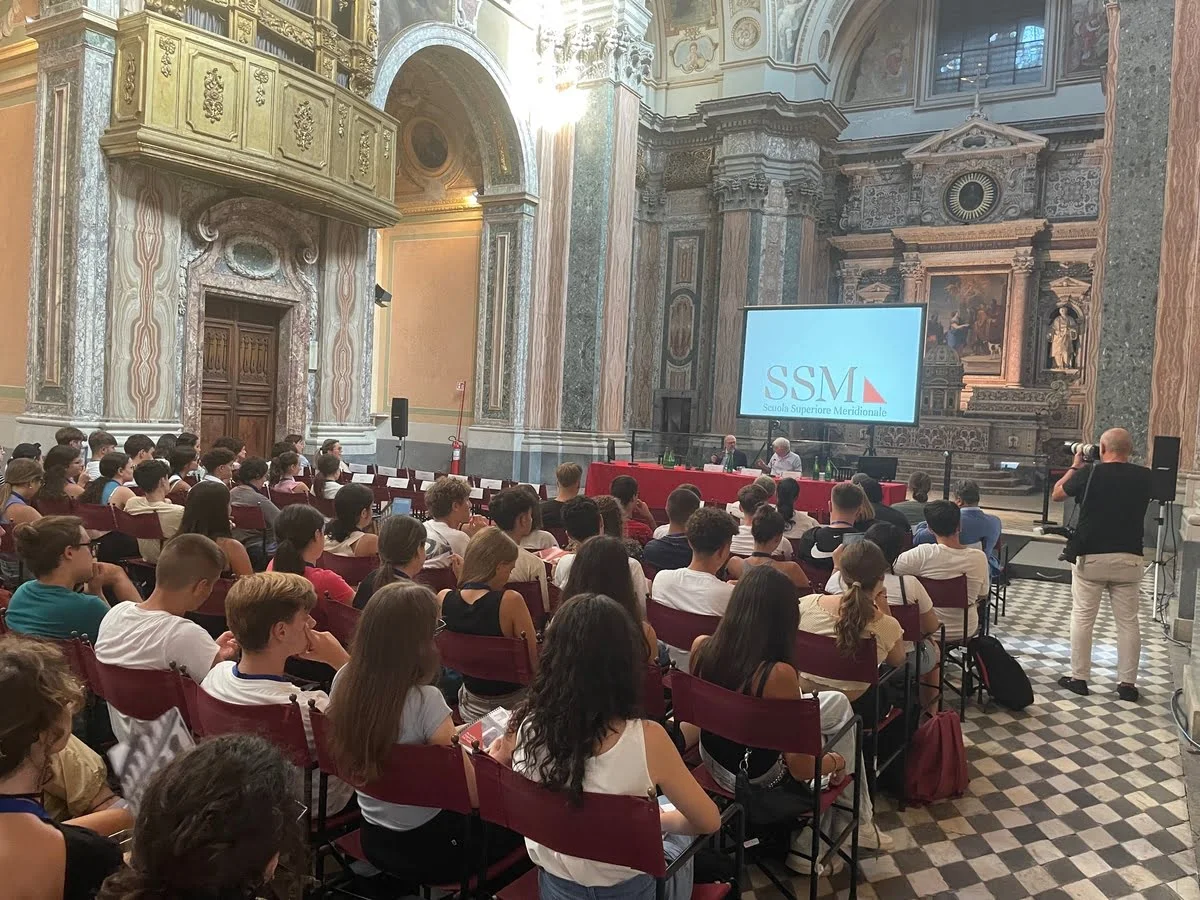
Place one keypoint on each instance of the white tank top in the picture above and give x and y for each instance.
(621, 769)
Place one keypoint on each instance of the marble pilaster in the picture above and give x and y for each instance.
(1136, 126)
(1023, 267)
(66, 368)
(649, 254)
(806, 252)
(912, 279)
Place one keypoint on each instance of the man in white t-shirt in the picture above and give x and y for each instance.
(269, 614)
(581, 520)
(948, 558)
(512, 511)
(154, 634)
(151, 476)
(101, 443)
(697, 589)
(750, 498)
(450, 525)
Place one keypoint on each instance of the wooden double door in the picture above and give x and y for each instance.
(241, 357)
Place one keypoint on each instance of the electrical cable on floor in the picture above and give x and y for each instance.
(1177, 713)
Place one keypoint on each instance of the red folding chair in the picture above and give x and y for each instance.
(324, 507)
(816, 575)
(97, 516)
(608, 828)
(287, 498)
(55, 506)
(214, 606)
(353, 569)
(142, 693)
(531, 591)
(341, 619)
(560, 535)
(490, 658)
(248, 518)
(951, 593)
(786, 726)
(677, 628)
(437, 579)
(143, 527)
(820, 656)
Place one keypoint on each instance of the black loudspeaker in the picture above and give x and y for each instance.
(612, 450)
(382, 296)
(399, 417)
(1164, 469)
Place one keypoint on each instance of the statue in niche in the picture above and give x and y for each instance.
(1064, 341)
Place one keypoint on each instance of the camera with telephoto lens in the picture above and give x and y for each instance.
(1090, 452)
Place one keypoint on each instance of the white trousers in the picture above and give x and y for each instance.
(1121, 575)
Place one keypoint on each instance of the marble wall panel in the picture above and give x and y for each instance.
(649, 273)
(736, 238)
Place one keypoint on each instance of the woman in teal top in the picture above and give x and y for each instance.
(58, 552)
(116, 470)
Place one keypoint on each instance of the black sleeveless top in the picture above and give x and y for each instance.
(90, 858)
(482, 618)
(730, 754)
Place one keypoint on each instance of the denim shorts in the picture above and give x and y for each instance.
(639, 887)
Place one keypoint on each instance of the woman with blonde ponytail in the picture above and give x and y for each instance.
(860, 611)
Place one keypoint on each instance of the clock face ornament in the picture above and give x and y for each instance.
(972, 196)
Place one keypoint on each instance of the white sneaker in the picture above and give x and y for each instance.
(801, 842)
(871, 838)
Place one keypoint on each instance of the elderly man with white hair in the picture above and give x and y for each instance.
(784, 460)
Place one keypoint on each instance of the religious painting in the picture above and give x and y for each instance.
(682, 14)
(788, 19)
(967, 313)
(693, 55)
(1087, 40)
(884, 70)
(680, 323)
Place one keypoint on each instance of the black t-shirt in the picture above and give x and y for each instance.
(552, 514)
(816, 545)
(891, 516)
(1112, 519)
(671, 551)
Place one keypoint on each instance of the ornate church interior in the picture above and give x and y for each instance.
(486, 239)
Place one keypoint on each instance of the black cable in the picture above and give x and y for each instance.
(1177, 713)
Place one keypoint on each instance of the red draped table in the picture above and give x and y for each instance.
(655, 483)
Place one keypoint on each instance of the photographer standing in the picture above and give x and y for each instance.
(1113, 495)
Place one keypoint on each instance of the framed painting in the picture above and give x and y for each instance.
(968, 313)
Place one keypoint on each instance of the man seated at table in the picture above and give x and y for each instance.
(976, 529)
(750, 498)
(818, 544)
(784, 461)
(883, 513)
(672, 551)
(739, 456)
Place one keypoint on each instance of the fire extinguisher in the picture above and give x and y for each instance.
(457, 447)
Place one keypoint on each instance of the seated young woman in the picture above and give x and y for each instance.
(345, 533)
(386, 695)
(63, 464)
(600, 567)
(325, 479)
(184, 462)
(751, 652)
(285, 469)
(248, 491)
(212, 823)
(480, 605)
(207, 512)
(579, 731)
(538, 538)
(301, 533)
(767, 530)
(22, 481)
(116, 471)
(901, 591)
(41, 858)
(401, 556)
(860, 611)
(614, 520)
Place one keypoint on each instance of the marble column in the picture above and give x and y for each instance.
(65, 374)
(1024, 265)
(912, 279)
(806, 253)
(649, 294)
(1136, 125)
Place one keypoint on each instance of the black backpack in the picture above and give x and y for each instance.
(1003, 677)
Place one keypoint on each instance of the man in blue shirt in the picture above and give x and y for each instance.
(978, 528)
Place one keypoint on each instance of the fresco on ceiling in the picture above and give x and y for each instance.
(12, 19)
(884, 70)
(788, 19)
(683, 14)
(396, 15)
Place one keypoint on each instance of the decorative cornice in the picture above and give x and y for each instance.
(774, 114)
(588, 53)
(923, 236)
(747, 192)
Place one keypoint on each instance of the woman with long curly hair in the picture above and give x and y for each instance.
(63, 464)
(386, 695)
(213, 823)
(600, 568)
(580, 729)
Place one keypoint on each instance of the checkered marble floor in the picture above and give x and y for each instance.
(1074, 797)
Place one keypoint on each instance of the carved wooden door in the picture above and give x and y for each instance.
(241, 348)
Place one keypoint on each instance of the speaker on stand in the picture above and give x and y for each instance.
(1164, 475)
(400, 427)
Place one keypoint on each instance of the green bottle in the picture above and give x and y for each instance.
(728, 462)
(829, 470)
(816, 472)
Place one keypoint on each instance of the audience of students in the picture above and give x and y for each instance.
(795, 521)
(582, 520)
(873, 491)
(23, 480)
(750, 499)
(213, 823)
(697, 589)
(976, 528)
(345, 533)
(614, 523)
(42, 858)
(297, 443)
(919, 486)
(218, 465)
(59, 554)
(164, 445)
(580, 732)
(333, 447)
(450, 524)
(183, 463)
(401, 556)
(300, 530)
(325, 482)
(259, 543)
(236, 446)
(767, 530)
(568, 475)
(285, 469)
(207, 512)
(948, 558)
(671, 550)
(155, 633)
(101, 444)
(481, 605)
(513, 510)
(269, 615)
(151, 476)
(116, 471)
(63, 467)
(139, 448)
(538, 539)
(847, 503)
(386, 695)
(752, 652)
(598, 570)
(639, 522)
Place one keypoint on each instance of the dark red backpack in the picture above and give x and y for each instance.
(937, 761)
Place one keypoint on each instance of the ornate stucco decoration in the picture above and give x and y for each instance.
(589, 53)
(743, 192)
